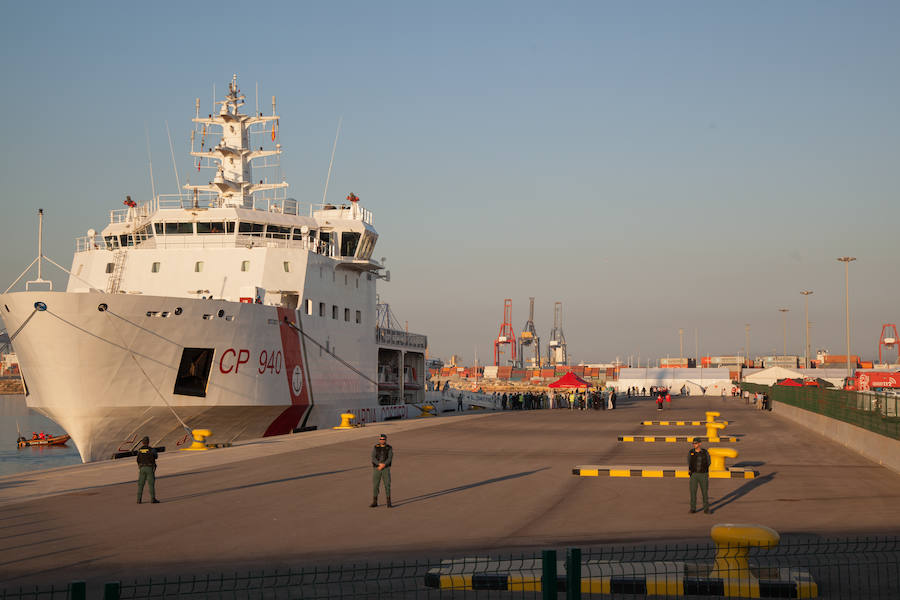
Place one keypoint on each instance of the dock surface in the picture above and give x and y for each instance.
(475, 483)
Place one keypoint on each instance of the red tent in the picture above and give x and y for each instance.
(789, 383)
(570, 380)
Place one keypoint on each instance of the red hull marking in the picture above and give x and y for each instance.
(296, 379)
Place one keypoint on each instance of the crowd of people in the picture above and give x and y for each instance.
(570, 399)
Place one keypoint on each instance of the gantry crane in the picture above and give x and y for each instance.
(888, 341)
(556, 349)
(529, 337)
(506, 335)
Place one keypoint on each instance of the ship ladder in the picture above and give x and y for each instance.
(118, 269)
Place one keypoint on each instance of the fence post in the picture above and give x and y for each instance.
(548, 577)
(573, 573)
(111, 591)
(77, 590)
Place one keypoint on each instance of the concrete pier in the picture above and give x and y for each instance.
(475, 483)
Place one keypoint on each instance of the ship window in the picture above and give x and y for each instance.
(193, 372)
(298, 233)
(287, 266)
(109, 267)
(210, 227)
(159, 228)
(179, 228)
(198, 266)
(245, 265)
(349, 242)
(308, 306)
(278, 232)
(154, 268)
(347, 315)
(251, 228)
(229, 227)
(334, 311)
(358, 317)
(321, 309)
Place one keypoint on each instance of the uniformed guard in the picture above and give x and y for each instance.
(698, 467)
(382, 455)
(146, 460)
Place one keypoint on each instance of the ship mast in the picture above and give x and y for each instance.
(233, 183)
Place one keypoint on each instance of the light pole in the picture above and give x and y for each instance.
(784, 312)
(680, 344)
(847, 260)
(747, 342)
(806, 294)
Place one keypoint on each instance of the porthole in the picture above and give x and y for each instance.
(221, 313)
(6, 307)
(178, 310)
(102, 307)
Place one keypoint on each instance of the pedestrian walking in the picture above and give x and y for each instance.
(698, 468)
(146, 460)
(382, 456)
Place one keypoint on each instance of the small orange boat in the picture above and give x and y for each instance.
(57, 440)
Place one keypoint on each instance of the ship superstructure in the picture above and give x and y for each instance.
(229, 306)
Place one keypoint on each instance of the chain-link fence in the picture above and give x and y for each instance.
(877, 412)
(860, 568)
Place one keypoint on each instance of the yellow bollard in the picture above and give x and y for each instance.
(732, 543)
(712, 431)
(345, 421)
(199, 439)
(711, 415)
(428, 411)
(717, 457)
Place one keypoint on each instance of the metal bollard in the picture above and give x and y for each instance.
(573, 573)
(548, 576)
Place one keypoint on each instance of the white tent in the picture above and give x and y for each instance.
(700, 381)
(771, 375)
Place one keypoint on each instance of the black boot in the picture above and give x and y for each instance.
(374, 502)
(389, 505)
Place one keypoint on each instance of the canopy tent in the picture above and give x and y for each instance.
(571, 381)
(788, 382)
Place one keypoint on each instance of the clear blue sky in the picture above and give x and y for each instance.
(652, 165)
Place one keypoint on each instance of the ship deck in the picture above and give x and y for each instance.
(475, 483)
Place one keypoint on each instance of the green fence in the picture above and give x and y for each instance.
(879, 413)
(798, 567)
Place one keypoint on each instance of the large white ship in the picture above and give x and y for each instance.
(229, 307)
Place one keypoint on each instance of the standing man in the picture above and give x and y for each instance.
(698, 467)
(382, 456)
(146, 460)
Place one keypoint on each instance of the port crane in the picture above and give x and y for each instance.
(556, 349)
(529, 338)
(506, 335)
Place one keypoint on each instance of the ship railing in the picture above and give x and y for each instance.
(133, 213)
(395, 337)
(86, 244)
(345, 212)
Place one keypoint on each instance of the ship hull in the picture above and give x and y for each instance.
(112, 368)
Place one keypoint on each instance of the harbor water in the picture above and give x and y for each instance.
(16, 416)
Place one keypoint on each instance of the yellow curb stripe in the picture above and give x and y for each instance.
(456, 582)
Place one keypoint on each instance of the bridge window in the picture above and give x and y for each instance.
(215, 227)
(278, 232)
(251, 228)
(154, 268)
(178, 228)
(349, 242)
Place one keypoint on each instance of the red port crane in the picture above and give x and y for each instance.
(506, 335)
(888, 341)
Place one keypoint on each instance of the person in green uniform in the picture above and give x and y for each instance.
(698, 467)
(382, 456)
(146, 460)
